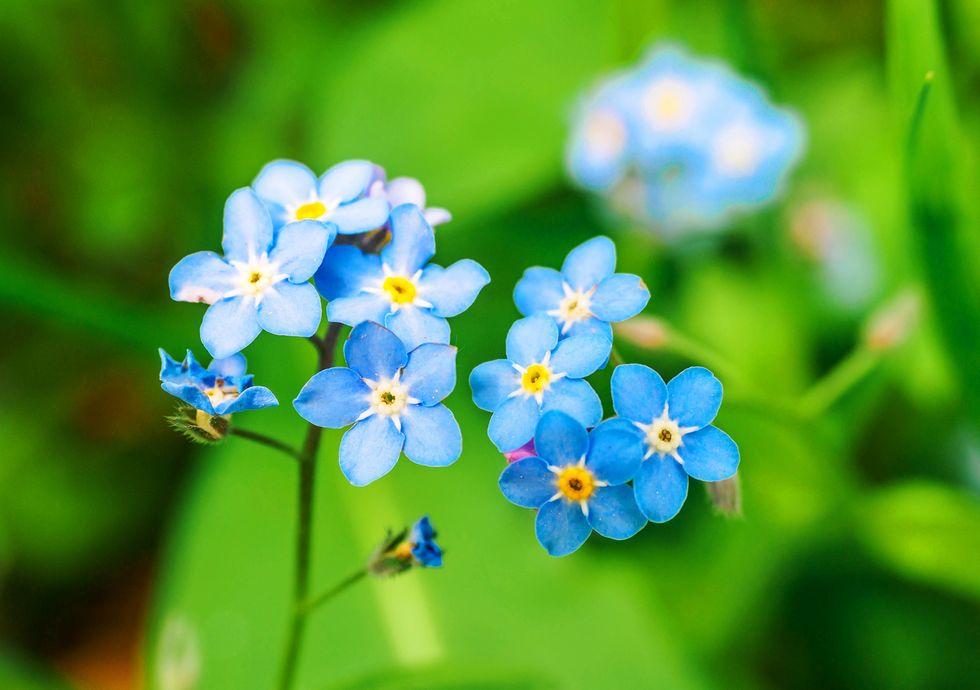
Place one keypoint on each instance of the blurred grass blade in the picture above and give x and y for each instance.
(449, 677)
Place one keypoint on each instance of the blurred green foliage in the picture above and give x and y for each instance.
(126, 125)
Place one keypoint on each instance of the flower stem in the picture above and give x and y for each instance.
(690, 348)
(265, 441)
(307, 478)
(309, 605)
(844, 376)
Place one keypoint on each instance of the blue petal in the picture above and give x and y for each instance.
(709, 454)
(300, 248)
(561, 527)
(229, 366)
(170, 368)
(374, 352)
(580, 355)
(347, 180)
(512, 424)
(333, 398)
(452, 290)
(491, 383)
(538, 291)
(415, 326)
(560, 440)
(638, 392)
(360, 216)
(590, 263)
(283, 184)
(229, 325)
(613, 512)
(615, 451)
(247, 226)
(201, 277)
(253, 398)
(530, 338)
(370, 449)
(291, 309)
(528, 483)
(620, 297)
(412, 241)
(190, 394)
(591, 326)
(660, 487)
(346, 270)
(694, 397)
(358, 309)
(432, 435)
(575, 398)
(431, 372)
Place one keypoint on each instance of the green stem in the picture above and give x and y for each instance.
(915, 123)
(309, 605)
(842, 378)
(265, 441)
(685, 346)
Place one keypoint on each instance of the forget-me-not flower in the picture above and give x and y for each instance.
(673, 429)
(406, 190)
(398, 287)
(220, 389)
(392, 398)
(577, 482)
(421, 545)
(586, 295)
(293, 193)
(540, 374)
(261, 281)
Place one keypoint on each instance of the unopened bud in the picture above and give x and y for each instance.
(726, 496)
(199, 426)
(646, 331)
(891, 325)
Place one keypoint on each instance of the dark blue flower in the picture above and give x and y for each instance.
(221, 389)
(422, 540)
(577, 482)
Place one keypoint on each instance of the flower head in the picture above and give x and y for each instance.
(577, 482)
(292, 193)
(422, 544)
(540, 374)
(221, 389)
(261, 281)
(586, 295)
(392, 399)
(672, 428)
(406, 190)
(398, 287)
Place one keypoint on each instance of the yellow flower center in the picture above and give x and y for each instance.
(401, 290)
(311, 211)
(576, 483)
(403, 551)
(536, 378)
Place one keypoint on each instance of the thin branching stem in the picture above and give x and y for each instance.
(319, 600)
(265, 441)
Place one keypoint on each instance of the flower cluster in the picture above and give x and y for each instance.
(581, 473)
(681, 143)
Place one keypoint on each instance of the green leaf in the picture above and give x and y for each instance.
(17, 674)
(448, 678)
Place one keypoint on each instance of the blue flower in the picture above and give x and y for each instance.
(578, 482)
(223, 388)
(422, 540)
(392, 397)
(673, 423)
(261, 281)
(540, 374)
(397, 288)
(407, 190)
(586, 295)
(293, 193)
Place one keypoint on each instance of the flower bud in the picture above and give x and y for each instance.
(726, 496)
(646, 331)
(198, 425)
(891, 325)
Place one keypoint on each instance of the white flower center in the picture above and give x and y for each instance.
(255, 277)
(388, 398)
(576, 305)
(668, 104)
(664, 436)
(535, 379)
(604, 134)
(737, 151)
(220, 392)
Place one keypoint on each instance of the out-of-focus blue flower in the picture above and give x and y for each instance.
(422, 541)
(578, 482)
(540, 374)
(261, 281)
(674, 432)
(220, 389)
(406, 190)
(392, 398)
(586, 295)
(293, 193)
(399, 288)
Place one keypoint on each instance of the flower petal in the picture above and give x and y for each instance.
(560, 440)
(300, 247)
(512, 424)
(360, 215)
(283, 184)
(333, 398)
(591, 326)
(437, 216)
(452, 290)
(374, 352)
(538, 290)
(590, 263)
(709, 454)
(432, 435)
(575, 398)
(638, 392)
(615, 451)
(358, 309)
(247, 226)
(346, 270)
(252, 398)
(620, 297)
(412, 241)
(528, 482)
(229, 325)
(370, 449)
(405, 190)
(580, 355)
(561, 528)
(190, 394)
(347, 180)
(291, 309)
(201, 277)
(431, 372)
(660, 487)
(415, 325)
(491, 383)
(530, 338)
(229, 366)
(613, 512)
(694, 397)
